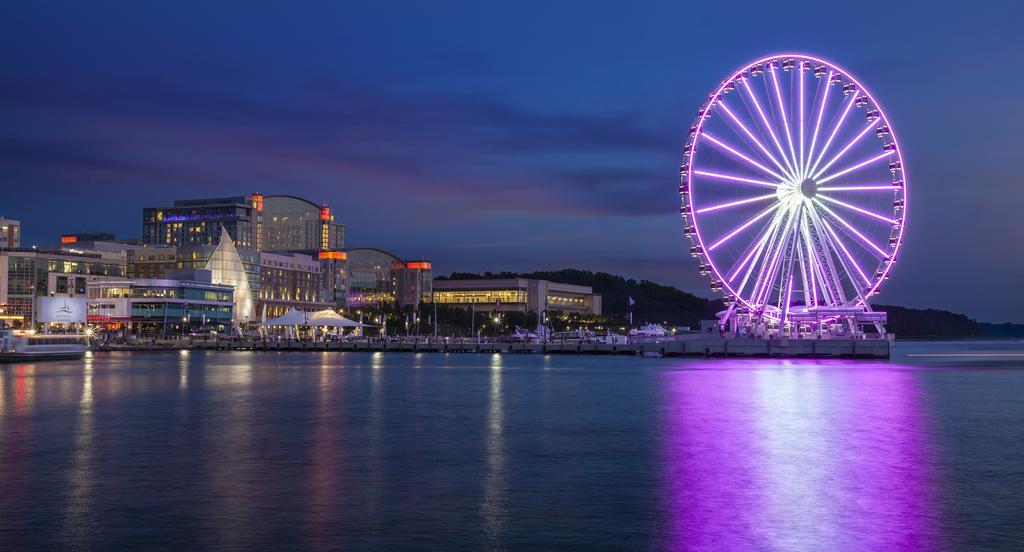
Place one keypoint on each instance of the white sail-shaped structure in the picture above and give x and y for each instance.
(226, 268)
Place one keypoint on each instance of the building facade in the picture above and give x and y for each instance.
(27, 274)
(295, 224)
(263, 223)
(377, 277)
(517, 294)
(10, 233)
(190, 302)
(290, 280)
(193, 222)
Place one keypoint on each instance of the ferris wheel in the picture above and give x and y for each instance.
(793, 188)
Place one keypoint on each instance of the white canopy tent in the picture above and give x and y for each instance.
(290, 318)
(331, 319)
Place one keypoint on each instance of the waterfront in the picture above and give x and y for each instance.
(361, 451)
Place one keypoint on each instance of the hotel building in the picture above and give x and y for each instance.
(295, 224)
(263, 223)
(292, 280)
(191, 222)
(517, 294)
(377, 277)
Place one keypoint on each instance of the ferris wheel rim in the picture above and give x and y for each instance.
(888, 259)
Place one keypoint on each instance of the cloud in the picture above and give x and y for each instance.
(469, 149)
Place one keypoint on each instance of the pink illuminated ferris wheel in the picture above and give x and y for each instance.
(793, 189)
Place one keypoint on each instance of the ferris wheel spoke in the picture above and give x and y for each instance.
(860, 188)
(767, 125)
(740, 155)
(786, 284)
(737, 203)
(834, 238)
(766, 279)
(855, 167)
(754, 139)
(817, 124)
(757, 245)
(859, 210)
(835, 130)
(769, 236)
(733, 178)
(870, 126)
(782, 110)
(741, 228)
(849, 257)
(832, 289)
(806, 235)
(800, 103)
(802, 263)
(850, 227)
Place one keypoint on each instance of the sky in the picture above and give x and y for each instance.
(498, 136)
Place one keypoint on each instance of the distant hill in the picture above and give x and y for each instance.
(928, 322)
(654, 302)
(659, 303)
(1001, 330)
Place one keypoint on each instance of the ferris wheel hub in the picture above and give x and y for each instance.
(809, 188)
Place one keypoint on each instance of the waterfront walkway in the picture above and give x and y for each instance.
(683, 345)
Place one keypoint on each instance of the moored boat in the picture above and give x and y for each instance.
(22, 346)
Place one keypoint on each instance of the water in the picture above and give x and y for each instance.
(397, 451)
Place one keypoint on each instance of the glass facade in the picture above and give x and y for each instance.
(158, 262)
(149, 306)
(506, 296)
(376, 277)
(370, 278)
(526, 294)
(227, 269)
(294, 224)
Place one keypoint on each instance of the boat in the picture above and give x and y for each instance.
(649, 330)
(22, 346)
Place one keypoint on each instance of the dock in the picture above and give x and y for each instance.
(704, 345)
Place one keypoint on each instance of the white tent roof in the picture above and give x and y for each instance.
(290, 318)
(328, 317)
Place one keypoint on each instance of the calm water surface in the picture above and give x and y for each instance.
(358, 451)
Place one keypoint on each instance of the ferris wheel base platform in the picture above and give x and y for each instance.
(713, 345)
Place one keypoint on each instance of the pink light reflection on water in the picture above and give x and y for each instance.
(778, 455)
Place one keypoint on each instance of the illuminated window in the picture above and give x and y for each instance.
(481, 296)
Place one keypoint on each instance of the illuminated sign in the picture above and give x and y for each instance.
(336, 255)
(68, 239)
(418, 265)
(65, 310)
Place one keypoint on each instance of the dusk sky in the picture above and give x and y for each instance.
(498, 136)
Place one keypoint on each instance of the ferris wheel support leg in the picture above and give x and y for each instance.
(728, 318)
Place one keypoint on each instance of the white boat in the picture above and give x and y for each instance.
(649, 330)
(20, 346)
(612, 338)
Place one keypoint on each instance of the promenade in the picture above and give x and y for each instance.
(708, 345)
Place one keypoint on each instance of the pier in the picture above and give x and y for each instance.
(686, 345)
